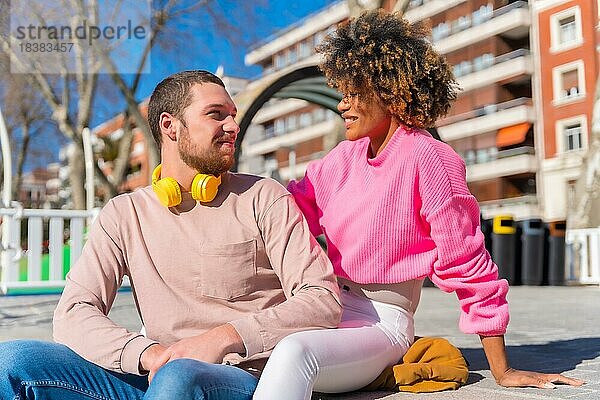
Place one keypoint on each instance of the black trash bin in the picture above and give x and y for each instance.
(486, 229)
(532, 256)
(504, 246)
(556, 253)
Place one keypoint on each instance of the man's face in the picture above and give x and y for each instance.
(208, 130)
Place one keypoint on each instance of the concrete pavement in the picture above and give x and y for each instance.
(552, 329)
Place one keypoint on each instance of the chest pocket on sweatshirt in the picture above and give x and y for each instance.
(228, 270)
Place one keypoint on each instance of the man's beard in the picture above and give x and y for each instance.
(210, 161)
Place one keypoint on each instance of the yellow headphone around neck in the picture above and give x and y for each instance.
(204, 188)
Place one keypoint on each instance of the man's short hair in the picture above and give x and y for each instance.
(172, 95)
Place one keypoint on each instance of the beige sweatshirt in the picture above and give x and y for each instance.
(247, 258)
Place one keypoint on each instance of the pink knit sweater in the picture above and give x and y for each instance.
(405, 214)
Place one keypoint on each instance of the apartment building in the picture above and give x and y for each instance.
(492, 123)
(566, 42)
(521, 122)
(286, 134)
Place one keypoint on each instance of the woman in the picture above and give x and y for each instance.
(394, 206)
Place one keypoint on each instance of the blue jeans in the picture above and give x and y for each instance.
(42, 370)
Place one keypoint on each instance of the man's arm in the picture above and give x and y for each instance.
(306, 276)
(81, 318)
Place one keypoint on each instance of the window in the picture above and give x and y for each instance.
(482, 156)
(279, 61)
(305, 120)
(479, 63)
(305, 49)
(292, 55)
(464, 22)
(269, 130)
(565, 29)
(571, 134)
(488, 60)
(292, 123)
(319, 114)
(271, 165)
(569, 82)
(483, 14)
(458, 70)
(319, 36)
(279, 127)
(470, 157)
(467, 67)
(440, 31)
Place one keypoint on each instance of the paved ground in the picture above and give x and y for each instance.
(551, 329)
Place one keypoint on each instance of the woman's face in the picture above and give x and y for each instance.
(364, 117)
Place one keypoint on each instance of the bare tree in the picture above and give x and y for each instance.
(27, 115)
(171, 31)
(70, 92)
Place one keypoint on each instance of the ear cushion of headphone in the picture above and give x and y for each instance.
(205, 187)
(168, 191)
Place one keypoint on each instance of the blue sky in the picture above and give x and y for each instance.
(202, 48)
(207, 49)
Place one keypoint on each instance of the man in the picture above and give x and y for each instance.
(217, 281)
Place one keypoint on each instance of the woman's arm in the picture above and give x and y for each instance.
(495, 351)
(465, 267)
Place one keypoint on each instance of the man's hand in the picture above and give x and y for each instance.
(516, 378)
(209, 347)
(150, 356)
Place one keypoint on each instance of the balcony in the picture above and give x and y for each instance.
(512, 21)
(297, 32)
(282, 107)
(486, 119)
(421, 9)
(522, 207)
(301, 135)
(503, 68)
(506, 163)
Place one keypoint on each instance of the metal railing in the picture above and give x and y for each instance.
(485, 110)
(52, 243)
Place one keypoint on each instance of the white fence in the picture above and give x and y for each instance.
(43, 270)
(583, 255)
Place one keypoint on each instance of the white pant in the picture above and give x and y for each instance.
(370, 337)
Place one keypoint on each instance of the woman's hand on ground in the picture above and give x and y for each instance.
(518, 378)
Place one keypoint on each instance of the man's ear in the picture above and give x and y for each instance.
(168, 125)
